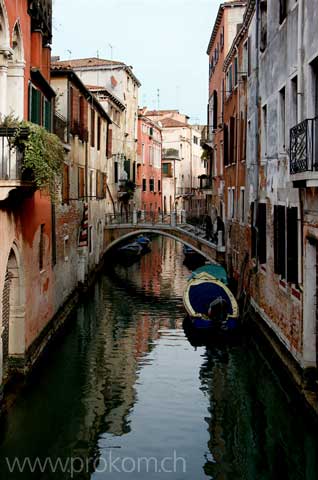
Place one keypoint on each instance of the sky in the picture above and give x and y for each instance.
(164, 40)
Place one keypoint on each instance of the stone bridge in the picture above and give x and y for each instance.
(120, 227)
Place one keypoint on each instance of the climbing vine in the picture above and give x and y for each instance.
(43, 153)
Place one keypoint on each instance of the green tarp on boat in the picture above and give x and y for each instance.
(217, 271)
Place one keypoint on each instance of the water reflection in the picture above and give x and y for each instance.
(124, 379)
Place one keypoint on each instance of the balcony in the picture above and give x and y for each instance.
(304, 153)
(11, 159)
(170, 154)
(206, 184)
(207, 136)
(60, 127)
(184, 191)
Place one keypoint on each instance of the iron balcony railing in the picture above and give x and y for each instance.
(184, 190)
(304, 147)
(11, 158)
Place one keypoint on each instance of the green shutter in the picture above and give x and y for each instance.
(127, 168)
(35, 100)
(47, 114)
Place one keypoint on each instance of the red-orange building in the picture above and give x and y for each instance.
(230, 14)
(149, 169)
(26, 214)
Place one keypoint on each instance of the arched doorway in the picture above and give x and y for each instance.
(13, 313)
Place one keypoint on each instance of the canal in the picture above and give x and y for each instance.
(122, 390)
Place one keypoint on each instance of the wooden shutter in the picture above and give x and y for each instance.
(66, 184)
(109, 142)
(253, 233)
(116, 172)
(92, 128)
(232, 140)
(279, 240)
(81, 182)
(225, 144)
(35, 99)
(292, 245)
(262, 240)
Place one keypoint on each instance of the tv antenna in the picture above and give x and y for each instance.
(158, 99)
(70, 53)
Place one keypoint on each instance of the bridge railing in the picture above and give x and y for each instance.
(142, 217)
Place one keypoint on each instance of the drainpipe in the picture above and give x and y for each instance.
(300, 82)
(300, 117)
(256, 172)
(237, 132)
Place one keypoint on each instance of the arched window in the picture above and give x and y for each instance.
(16, 75)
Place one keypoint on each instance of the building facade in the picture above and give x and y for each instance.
(120, 81)
(149, 164)
(26, 276)
(83, 126)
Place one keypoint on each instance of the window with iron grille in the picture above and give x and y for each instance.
(144, 185)
(151, 185)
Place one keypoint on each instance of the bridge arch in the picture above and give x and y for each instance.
(177, 235)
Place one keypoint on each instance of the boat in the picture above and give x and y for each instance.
(214, 270)
(210, 304)
(131, 250)
(145, 243)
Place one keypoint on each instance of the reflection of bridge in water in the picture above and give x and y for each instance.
(121, 226)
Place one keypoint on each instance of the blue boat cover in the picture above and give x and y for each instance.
(200, 297)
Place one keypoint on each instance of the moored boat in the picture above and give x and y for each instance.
(145, 243)
(131, 250)
(210, 304)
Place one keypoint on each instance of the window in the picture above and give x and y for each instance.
(81, 182)
(230, 202)
(109, 142)
(282, 119)
(115, 172)
(99, 184)
(150, 155)
(91, 183)
(127, 168)
(41, 247)
(282, 10)
(215, 110)
(47, 115)
(232, 140)
(144, 185)
(229, 81)
(166, 169)
(242, 137)
(294, 101)
(279, 240)
(263, 13)
(159, 185)
(195, 140)
(242, 205)
(66, 184)
(262, 232)
(143, 153)
(99, 132)
(222, 38)
(92, 128)
(151, 185)
(286, 242)
(35, 105)
(235, 71)
(225, 145)
(134, 172)
(66, 248)
(264, 131)
(245, 58)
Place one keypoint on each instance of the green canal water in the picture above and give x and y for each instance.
(123, 394)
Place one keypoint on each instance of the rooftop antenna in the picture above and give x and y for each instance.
(97, 53)
(70, 53)
(158, 99)
(111, 51)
